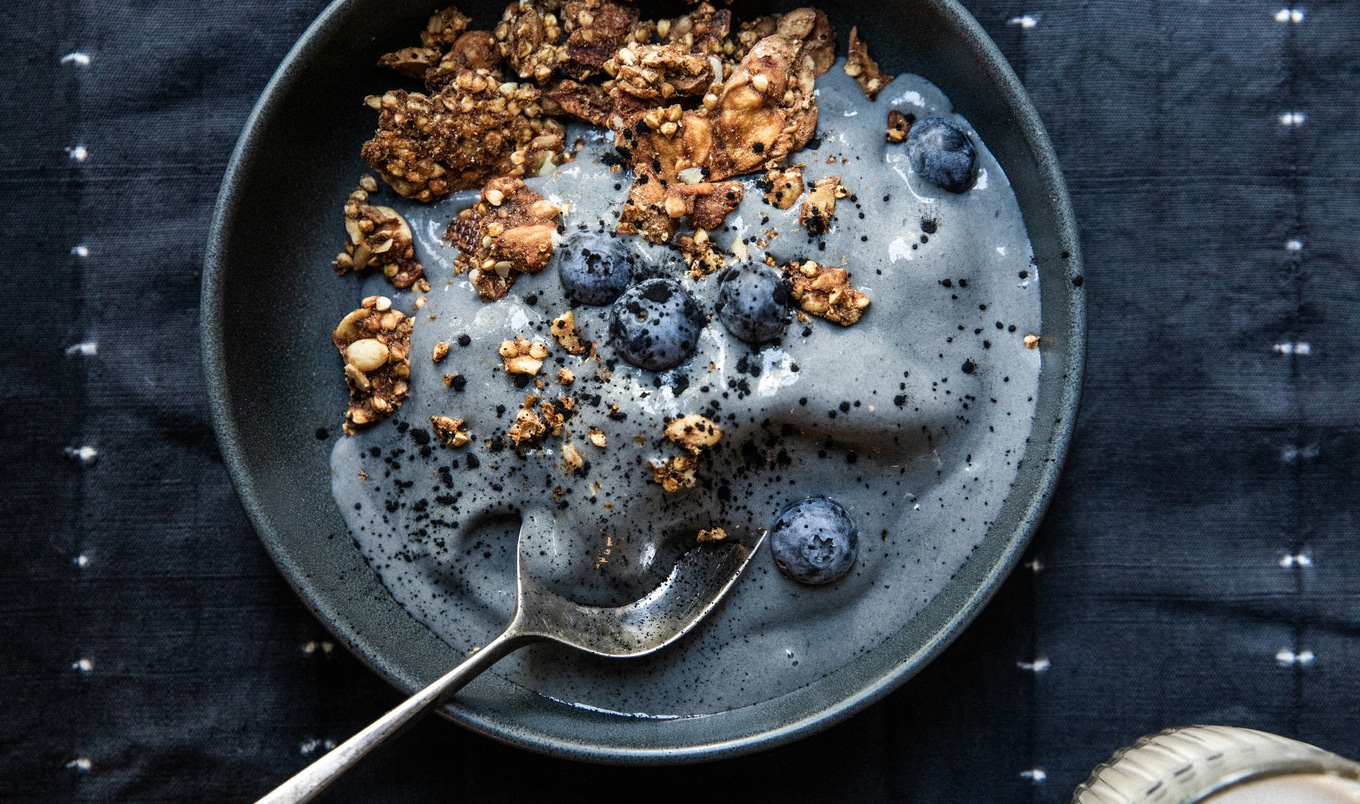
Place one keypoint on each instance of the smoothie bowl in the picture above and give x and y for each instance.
(667, 275)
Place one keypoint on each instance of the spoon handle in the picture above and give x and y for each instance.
(316, 777)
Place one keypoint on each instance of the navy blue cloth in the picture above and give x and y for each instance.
(1198, 564)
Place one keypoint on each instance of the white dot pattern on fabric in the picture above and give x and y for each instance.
(1034, 774)
(81, 561)
(1296, 560)
(1039, 665)
(78, 152)
(86, 455)
(84, 665)
(86, 349)
(310, 747)
(1306, 452)
(1034, 566)
(1025, 21)
(81, 251)
(1293, 118)
(1288, 658)
(81, 764)
(1294, 15)
(1299, 348)
(1293, 245)
(79, 59)
(313, 647)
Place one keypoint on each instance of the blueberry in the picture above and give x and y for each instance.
(940, 152)
(655, 324)
(814, 540)
(753, 303)
(594, 268)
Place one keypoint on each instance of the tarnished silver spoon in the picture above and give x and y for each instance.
(699, 580)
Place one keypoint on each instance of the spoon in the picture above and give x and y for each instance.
(697, 582)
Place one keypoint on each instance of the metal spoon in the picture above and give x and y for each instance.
(699, 580)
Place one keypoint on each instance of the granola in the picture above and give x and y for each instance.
(510, 231)
(819, 208)
(375, 342)
(864, 69)
(475, 128)
(825, 292)
(379, 238)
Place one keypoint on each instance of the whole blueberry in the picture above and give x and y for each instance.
(594, 268)
(753, 303)
(814, 540)
(655, 324)
(940, 152)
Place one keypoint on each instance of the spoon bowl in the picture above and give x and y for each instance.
(697, 582)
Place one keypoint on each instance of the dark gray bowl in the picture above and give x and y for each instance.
(268, 309)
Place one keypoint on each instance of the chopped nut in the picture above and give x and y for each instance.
(527, 427)
(826, 292)
(1031, 341)
(863, 69)
(564, 332)
(367, 354)
(819, 208)
(898, 126)
(522, 356)
(676, 472)
(441, 351)
(376, 349)
(451, 431)
(510, 231)
(598, 438)
(572, 459)
(566, 376)
(714, 534)
(694, 432)
(378, 238)
(785, 186)
(552, 419)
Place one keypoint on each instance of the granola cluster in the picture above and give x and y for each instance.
(510, 231)
(477, 127)
(379, 238)
(375, 343)
(694, 433)
(825, 292)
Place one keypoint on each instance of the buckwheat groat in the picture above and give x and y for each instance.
(375, 343)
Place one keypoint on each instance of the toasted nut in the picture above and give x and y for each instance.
(367, 354)
(598, 438)
(450, 431)
(441, 351)
(694, 432)
(1031, 341)
(711, 535)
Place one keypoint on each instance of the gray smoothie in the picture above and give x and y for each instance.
(913, 419)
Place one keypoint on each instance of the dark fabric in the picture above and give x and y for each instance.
(1199, 563)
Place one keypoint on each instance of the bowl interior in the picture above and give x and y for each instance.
(269, 303)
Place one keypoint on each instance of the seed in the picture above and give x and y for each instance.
(495, 197)
(383, 304)
(366, 354)
(760, 82)
(368, 183)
